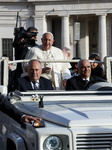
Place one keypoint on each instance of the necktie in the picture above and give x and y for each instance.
(85, 82)
(35, 87)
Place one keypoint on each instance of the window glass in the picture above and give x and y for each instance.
(7, 47)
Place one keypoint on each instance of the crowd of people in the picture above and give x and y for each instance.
(50, 75)
(35, 75)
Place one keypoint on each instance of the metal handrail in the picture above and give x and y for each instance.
(54, 61)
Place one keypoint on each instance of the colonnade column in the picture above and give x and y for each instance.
(109, 38)
(41, 25)
(83, 46)
(102, 37)
(86, 39)
(65, 40)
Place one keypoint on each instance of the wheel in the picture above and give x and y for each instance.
(10, 145)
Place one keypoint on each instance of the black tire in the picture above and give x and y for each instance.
(10, 145)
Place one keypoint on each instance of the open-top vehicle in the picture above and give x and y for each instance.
(75, 120)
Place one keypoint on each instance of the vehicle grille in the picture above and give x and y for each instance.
(94, 141)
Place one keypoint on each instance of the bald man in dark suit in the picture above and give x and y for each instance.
(84, 79)
(33, 79)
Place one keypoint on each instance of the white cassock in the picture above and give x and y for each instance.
(59, 71)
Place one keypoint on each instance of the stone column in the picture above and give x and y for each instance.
(86, 39)
(83, 46)
(65, 40)
(41, 24)
(102, 37)
(109, 39)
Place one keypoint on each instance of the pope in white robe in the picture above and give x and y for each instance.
(58, 73)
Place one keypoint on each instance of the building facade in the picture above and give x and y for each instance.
(84, 26)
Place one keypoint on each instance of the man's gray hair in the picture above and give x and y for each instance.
(78, 64)
(30, 62)
(48, 33)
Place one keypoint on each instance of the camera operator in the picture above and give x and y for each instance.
(24, 40)
(33, 34)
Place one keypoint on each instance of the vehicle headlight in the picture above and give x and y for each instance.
(52, 143)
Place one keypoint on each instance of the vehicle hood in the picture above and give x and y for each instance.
(71, 114)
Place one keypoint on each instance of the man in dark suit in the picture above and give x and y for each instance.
(82, 81)
(33, 81)
(9, 109)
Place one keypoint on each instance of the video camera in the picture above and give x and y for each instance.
(20, 33)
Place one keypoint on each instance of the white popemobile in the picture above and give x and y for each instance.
(75, 120)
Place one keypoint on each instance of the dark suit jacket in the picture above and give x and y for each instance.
(77, 83)
(23, 84)
(9, 109)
